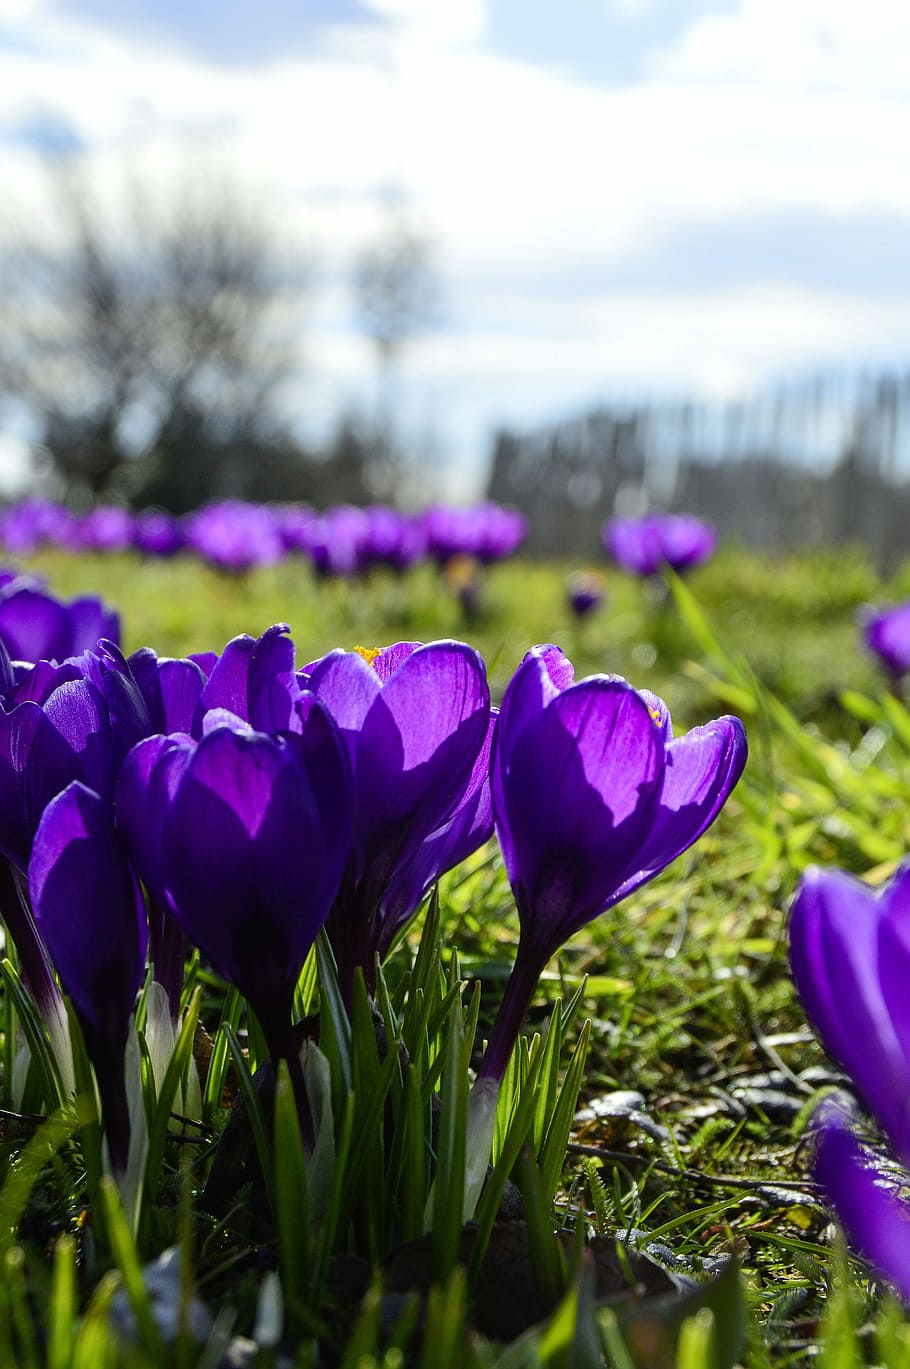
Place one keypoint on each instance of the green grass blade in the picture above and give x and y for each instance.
(290, 1196)
(255, 1114)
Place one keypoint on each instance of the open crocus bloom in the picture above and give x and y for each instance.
(592, 797)
(850, 956)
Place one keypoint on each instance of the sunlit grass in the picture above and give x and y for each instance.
(687, 985)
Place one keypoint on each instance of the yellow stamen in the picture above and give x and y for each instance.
(369, 653)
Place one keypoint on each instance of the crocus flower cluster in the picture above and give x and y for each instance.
(886, 634)
(241, 803)
(234, 535)
(644, 546)
(850, 956)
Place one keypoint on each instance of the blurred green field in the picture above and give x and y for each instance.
(793, 619)
(688, 988)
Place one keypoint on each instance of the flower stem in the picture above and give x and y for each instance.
(512, 1009)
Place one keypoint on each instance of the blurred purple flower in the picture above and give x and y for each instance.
(107, 529)
(158, 533)
(336, 541)
(487, 532)
(34, 522)
(886, 634)
(643, 546)
(91, 914)
(36, 626)
(234, 536)
(415, 719)
(585, 592)
(392, 538)
(592, 798)
(850, 957)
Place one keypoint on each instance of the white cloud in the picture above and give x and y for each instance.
(832, 44)
(522, 172)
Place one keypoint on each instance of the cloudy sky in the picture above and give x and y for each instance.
(627, 197)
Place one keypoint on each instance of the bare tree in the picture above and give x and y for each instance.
(396, 285)
(147, 348)
(397, 289)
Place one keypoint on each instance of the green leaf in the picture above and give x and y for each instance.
(126, 1257)
(448, 1185)
(61, 1322)
(546, 1254)
(290, 1195)
(178, 1067)
(255, 1114)
(35, 1034)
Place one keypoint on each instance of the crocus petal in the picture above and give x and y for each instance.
(702, 769)
(36, 763)
(36, 683)
(34, 625)
(89, 910)
(466, 830)
(181, 684)
(250, 863)
(226, 687)
(576, 793)
(128, 711)
(79, 713)
(146, 785)
(89, 621)
(271, 683)
(894, 962)
(877, 1221)
(416, 749)
(346, 684)
(835, 956)
(387, 661)
(543, 673)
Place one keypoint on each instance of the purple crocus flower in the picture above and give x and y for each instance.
(107, 529)
(634, 544)
(592, 797)
(643, 546)
(886, 634)
(686, 541)
(850, 957)
(234, 536)
(91, 914)
(414, 719)
(243, 837)
(33, 522)
(36, 626)
(158, 534)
